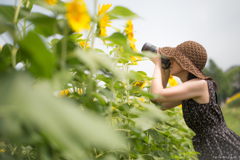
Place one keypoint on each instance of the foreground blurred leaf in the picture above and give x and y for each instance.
(152, 112)
(41, 59)
(44, 24)
(5, 26)
(35, 116)
(7, 12)
(47, 25)
(117, 38)
(122, 12)
(29, 4)
(97, 60)
(5, 57)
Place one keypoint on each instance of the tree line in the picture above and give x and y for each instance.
(228, 81)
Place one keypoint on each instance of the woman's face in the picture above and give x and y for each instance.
(175, 68)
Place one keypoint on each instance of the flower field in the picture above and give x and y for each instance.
(71, 100)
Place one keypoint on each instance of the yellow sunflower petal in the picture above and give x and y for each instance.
(130, 35)
(51, 2)
(172, 81)
(77, 15)
(82, 43)
(104, 8)
(140, 84)
(103, 19)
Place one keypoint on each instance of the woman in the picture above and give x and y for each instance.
(197, 94)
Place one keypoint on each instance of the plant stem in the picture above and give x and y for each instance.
(128, 96)
(129, 146)
(128, 101)
(17, 12)
(99, 155)
(14, 52)
(64, 49)
(29, 156)
(95, 11)
(88, 36)
(83, 88)
(19, 32)
(14, 49)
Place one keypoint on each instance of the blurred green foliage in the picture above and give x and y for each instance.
(105, 116)
(232, 118)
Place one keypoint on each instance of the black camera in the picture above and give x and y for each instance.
(165, 61)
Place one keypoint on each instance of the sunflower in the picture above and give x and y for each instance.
(130, 35)
(82, 43)
(131, 40)
(141, 99)
(134, 60)
(180, 106)
(103, 19)
(51, 2)
(172, 81)
(77, 15)
(64, 92)
(140, 84)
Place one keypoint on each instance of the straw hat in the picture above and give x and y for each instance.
(191, 55)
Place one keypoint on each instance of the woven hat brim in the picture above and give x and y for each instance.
(183, 61)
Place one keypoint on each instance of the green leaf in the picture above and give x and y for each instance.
(75, 37)
(117, 38)
(71, 46)
(28, 4)
(44, 25)
(40, 58)
(36, 117)
(59, 8)
(54, 41)
(143, 124)
(122, 12)
(156, 136)
(100, 98)
(107, 93)
(5, 57)
(103, 78)
(5, 26)
(139, 75)
(165, 154)
(96, 60)
(8, 12)
(152, 111)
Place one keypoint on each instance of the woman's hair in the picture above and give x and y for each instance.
(192, 76)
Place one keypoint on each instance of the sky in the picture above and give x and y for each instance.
(215, 24)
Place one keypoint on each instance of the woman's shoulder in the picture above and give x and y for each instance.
(198, 82)
(202, 87)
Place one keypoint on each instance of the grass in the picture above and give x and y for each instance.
(232, 118)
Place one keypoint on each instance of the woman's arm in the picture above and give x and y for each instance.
(158, 82)
(169, 105)
(194, 88)
(190, 89)
(165, 73)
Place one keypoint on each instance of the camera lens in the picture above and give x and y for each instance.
(149, 47)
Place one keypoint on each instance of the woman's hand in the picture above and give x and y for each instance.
(157, 59)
